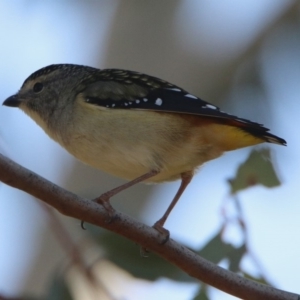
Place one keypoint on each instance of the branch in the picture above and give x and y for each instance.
(71, 205)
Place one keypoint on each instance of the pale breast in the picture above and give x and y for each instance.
(129, 144)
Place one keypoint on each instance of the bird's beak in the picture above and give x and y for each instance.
(12, 101)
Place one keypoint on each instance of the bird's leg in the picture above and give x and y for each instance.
(186, 178)
(104, 198)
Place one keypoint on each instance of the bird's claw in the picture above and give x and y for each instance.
(104, 201)
(165, 234)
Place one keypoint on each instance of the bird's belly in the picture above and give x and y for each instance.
(131, 162)
(127, 165)
(165, 143)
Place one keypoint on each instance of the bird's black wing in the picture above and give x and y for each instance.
(121, 89)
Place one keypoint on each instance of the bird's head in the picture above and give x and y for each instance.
(48, 92)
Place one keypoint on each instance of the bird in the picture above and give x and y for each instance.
(132, 125)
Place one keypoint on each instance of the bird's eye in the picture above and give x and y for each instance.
(38, 87)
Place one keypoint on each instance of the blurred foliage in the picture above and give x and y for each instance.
(217, 250)
(3, 297)
(58, 289)
(257, 169)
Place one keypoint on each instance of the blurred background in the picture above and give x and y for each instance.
(243, 56)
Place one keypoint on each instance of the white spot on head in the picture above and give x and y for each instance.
(211, 106)
(137, 101)
(174, 89)
(158, 101)
(145, 99)
(190, 96)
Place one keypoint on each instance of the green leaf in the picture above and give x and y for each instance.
(235, 257)
(216, 250)
(257, 169)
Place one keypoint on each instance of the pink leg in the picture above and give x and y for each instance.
(104, 198)
(186, 178)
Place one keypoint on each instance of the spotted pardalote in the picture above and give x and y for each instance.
(132, 125)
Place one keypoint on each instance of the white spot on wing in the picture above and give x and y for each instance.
(243, 121)
(113, 105)
(137, 101)
(174, 89)
(211, 106)
(158, 101)
(190, 96)
(126, 104)
(145, 99)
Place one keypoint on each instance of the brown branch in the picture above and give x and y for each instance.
(83, 209)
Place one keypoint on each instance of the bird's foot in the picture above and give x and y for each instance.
(165, 234)
(104, 201)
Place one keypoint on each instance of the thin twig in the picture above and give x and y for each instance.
(242, 222)
(73, 251)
